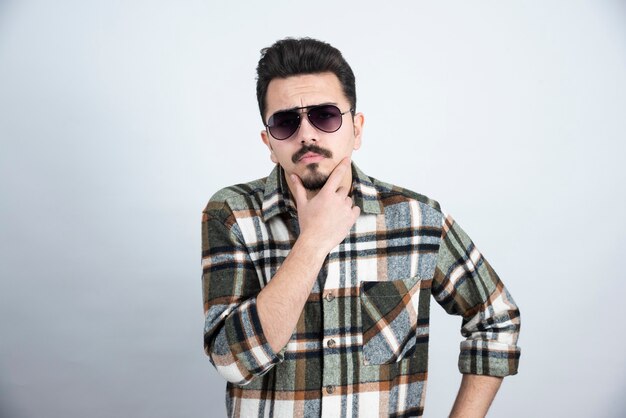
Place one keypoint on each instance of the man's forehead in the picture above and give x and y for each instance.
(304, 90)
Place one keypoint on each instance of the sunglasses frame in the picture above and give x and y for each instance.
(299, 111)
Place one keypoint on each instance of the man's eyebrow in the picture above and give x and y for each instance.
(292, 109)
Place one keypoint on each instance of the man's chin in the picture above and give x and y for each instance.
(314, 181)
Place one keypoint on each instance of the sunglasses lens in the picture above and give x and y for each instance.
(283, 124)
(326, 118)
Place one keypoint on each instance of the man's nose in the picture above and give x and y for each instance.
(306, 132)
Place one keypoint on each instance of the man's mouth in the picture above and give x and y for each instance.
(311, 157)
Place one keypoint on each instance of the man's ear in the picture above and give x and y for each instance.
(266, 141)
(358, 121)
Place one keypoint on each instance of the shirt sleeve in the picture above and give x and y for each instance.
(465, 284)
(233, 336)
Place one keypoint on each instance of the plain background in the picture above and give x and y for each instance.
(119, 119)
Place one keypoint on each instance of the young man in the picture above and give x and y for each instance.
(317, 279)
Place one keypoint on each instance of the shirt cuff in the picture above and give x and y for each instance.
(488, 358)
(247, 342)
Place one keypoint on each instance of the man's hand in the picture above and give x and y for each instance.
(327, 218)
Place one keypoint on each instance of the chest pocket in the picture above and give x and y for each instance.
(389, 312)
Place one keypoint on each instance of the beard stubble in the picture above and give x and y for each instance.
(313, 180)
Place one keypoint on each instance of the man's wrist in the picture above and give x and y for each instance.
(311, 249)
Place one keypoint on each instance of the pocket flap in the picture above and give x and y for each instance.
(389, 312)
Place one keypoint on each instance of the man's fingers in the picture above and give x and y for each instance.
(343, 190)
(335, 178)
(299, 193)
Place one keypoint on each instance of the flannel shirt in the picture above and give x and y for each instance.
(360, 347)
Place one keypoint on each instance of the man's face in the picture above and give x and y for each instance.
(310, 153)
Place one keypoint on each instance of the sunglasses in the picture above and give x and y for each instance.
(327, 118)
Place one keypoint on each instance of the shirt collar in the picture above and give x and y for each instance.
(364, 192)
(278, 200)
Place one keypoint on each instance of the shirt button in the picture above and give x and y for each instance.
(330, 389)
(331, 343)
(330, 296)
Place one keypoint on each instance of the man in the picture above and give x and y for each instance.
(317, 279)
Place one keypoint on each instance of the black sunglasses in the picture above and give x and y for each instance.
(327, 118)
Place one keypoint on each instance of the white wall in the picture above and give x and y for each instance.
(119, 119)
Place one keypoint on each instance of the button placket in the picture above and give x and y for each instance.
(331, 368)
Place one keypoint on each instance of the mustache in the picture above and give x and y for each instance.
(311, 148)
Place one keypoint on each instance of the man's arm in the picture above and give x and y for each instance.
(246, 326)
(465, 284)
(475, 396)
(325, 220)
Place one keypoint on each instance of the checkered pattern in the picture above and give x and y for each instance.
(360, 347)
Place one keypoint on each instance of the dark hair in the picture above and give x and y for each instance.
(289, 57)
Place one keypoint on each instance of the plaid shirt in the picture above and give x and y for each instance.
(360, 347)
